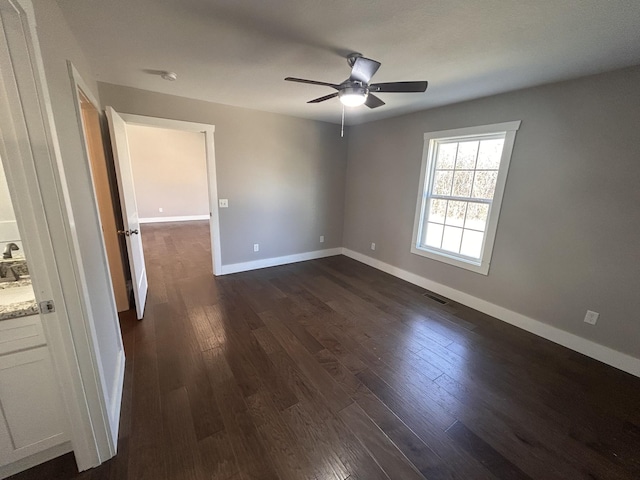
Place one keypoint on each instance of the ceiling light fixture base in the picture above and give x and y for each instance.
(170, 76)
(352, 57)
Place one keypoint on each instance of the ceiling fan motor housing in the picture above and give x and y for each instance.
(357, 89)
(354, 90)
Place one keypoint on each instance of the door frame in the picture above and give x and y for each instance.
(113, 404)
(70, 332)
(79, 85)
(208, 131)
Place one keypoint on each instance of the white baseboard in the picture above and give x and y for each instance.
(273, 262)
(186, 218)
(591, 349)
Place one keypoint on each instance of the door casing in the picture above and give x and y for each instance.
(102, 192)
(27, 131)
(208, 131)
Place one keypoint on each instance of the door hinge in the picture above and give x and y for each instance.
(47, 306)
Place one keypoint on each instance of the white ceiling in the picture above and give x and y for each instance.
(237, 52)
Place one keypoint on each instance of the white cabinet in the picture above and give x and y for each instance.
(32, 417)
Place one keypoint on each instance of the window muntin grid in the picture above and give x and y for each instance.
(460, 191)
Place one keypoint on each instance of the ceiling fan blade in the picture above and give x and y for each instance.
(363, 69)
(399, 87)
(322, 99)
(311, 82)
(373, 101)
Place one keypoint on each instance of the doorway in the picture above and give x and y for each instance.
(103, 185)
(122, 241)
(169, 172)
(118, 124)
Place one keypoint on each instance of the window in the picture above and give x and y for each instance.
(461, 185)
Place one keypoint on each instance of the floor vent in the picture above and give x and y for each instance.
(434, 298)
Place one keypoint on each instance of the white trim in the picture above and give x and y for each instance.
(208, 130)
(275, 261)
(214, 222)
(35, 459)
(472, 131)
(116, 399)
(168, 123)
(108, 442)
(68, 329)
(184, 218)
(427, 170)
(607, 355)
(78, 82)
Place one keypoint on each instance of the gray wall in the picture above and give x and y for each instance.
(283, 176)
(568, 238)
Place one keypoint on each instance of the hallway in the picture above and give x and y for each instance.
(329, 369)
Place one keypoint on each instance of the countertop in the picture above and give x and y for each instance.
(18, 309)
(16, 297)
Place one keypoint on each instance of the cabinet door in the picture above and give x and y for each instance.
(33, 416)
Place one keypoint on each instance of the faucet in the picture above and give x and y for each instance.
(8, 249)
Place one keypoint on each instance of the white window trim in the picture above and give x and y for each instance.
(482, 267)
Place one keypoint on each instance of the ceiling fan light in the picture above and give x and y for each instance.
(353, 96)
(353, 99)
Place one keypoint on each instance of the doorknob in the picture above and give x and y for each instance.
(124, 232)
(134, 232)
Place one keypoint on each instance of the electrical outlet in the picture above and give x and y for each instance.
(321, 238)
(256, 247)
(223, 203)
(373, 246)
(591, 317)
(161, 209)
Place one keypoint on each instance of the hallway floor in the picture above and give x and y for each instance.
(330, 369)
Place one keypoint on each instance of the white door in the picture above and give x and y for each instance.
(124, 174)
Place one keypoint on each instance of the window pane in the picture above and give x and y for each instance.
(437, 211)
(446, 155)
(455, 221)
(484, 184)
(471, 243)
(466, 158)
(462, 183)
(477, 216)
(489, 154)
(451, 239)
(455, 213)
(442, 183)
(434, 235)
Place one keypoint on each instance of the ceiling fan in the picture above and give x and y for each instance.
(356, 90)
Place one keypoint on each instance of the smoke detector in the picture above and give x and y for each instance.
(169, 76)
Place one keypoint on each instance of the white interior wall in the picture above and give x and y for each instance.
(169, 172)
(8, 226)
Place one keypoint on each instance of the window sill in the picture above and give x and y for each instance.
(481, 268)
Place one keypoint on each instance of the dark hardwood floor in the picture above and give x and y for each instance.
(329, 369)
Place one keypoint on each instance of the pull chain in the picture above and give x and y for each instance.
(342, 130)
